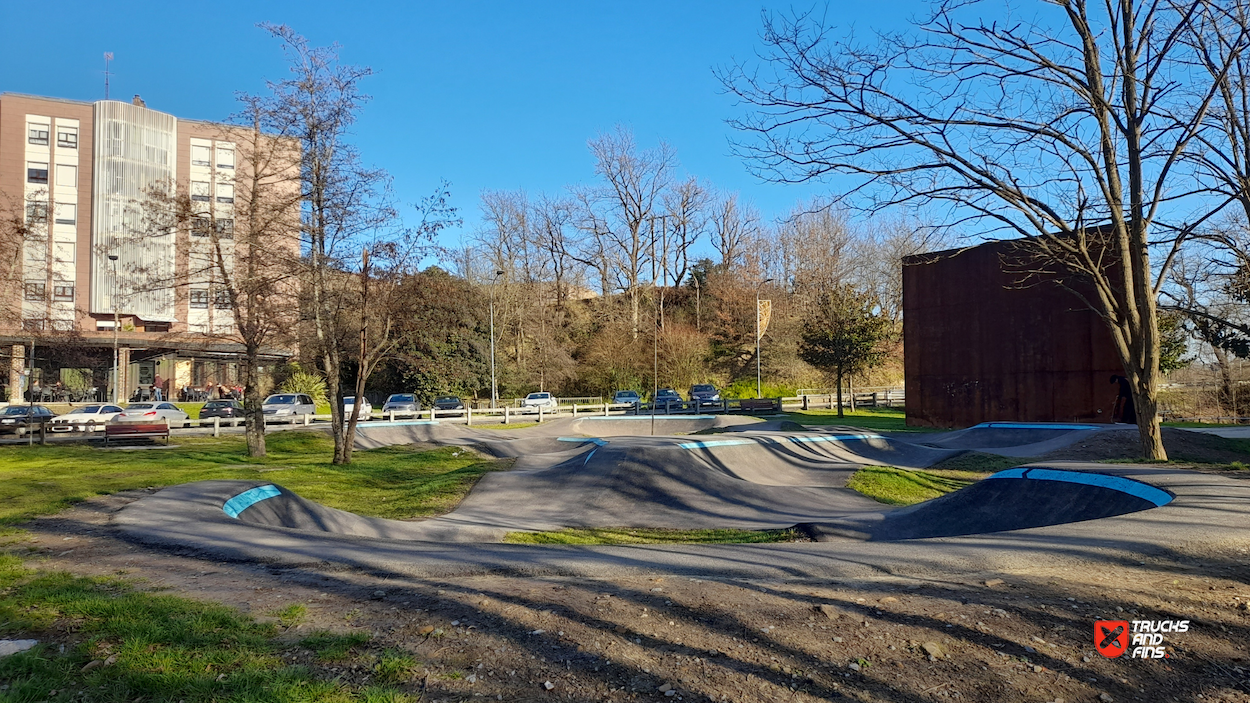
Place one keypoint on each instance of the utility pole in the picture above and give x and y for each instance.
(116, 318)
(494, 392)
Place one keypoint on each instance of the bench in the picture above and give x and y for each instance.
(136, 430)
(755, 404)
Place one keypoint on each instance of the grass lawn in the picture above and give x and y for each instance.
(886, 484)
(881, 419)
(626, 535)
(132, 646)
(509, 426)
(392, 482)
(979, 463)
(1200, 424)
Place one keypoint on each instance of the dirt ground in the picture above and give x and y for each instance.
(1180, 444)
(966, 637)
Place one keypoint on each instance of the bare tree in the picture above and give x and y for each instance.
(687, 207)
(1070, 131)
(342, 198)
(551, 224)
(386, 264)
(243, 261)
(633, 184)
(732, 224)
(876, 258)
(254, 261)
(810, 250)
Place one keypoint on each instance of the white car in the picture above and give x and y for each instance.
(88, 419)
(366, 408)
(153, 412)
(538, 400)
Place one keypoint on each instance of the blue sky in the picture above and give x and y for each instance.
(488, 95)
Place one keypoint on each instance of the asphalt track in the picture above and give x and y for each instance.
(604, 473)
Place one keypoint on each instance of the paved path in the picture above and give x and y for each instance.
(1241, 432)
(742, 479)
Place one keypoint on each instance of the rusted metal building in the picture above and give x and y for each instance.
(982, 342)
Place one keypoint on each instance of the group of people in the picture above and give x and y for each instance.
(56, 393)
(211, 391)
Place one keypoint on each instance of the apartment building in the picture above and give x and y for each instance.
(88, 271)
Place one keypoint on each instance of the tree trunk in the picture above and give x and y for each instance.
(332, 367)
(253, 412)
(1225, 396)
(633, 307)
(362, 369)
(1149, 429)
(840, 391)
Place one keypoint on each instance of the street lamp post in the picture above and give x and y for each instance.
(494, 392)
(113, 300)
(758, 386)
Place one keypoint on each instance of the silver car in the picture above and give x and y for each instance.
(401, 404)
(287, 407)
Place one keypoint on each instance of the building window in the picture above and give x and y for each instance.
(32, 324)
(66, 213)
(221, 300)
(67, 176)
(200, 191)
(225, 192)
(38, 134)
(36, 290)
(156, 327)
(225, 227)
(199, 298)
(36, 213)
(36, 172)
(225, 158)
(67, 137)
(201, 155)
(63, 294)
(201, 226)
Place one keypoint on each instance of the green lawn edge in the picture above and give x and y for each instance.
(628, 535)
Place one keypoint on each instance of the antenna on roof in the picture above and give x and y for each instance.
(108, 56)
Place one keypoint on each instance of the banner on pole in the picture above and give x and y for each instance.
(763, 315)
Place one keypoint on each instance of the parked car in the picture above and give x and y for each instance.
(87, 419)
(401, 404)
(17, 418)
(366, 408)
(542, 399)
(667, 397)
(626, 397)
(153, 412)
(226, 409)
(704, 394)
(448, 403)
(287, 407)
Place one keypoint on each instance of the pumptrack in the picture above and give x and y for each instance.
(745, 476)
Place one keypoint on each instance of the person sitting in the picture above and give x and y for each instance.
(1123, 410)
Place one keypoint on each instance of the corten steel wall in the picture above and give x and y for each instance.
(979, 348)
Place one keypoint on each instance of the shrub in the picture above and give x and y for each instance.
(309, 383)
